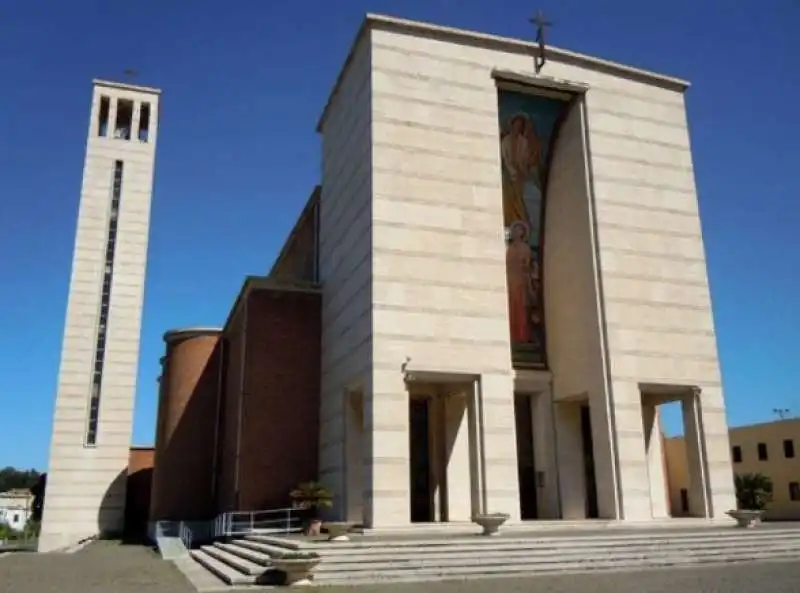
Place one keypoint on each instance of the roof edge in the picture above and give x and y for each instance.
(184, 333)
(373, 20)
(311, 202)
(126, 86)
(252, 283)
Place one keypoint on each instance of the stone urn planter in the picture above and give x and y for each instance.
(746, 518)
(337, 531)
(298, 567)
(490, 522)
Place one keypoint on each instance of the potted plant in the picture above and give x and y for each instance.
(311, 497)
(753, 494)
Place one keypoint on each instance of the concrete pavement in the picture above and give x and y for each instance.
(107, 566)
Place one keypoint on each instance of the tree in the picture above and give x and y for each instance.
(38, 489)
(753, 491)
(6, 532)
(31, 530)
(11, 478)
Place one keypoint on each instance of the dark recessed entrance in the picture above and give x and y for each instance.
(420, 460)
(588, 464)
(526, 464)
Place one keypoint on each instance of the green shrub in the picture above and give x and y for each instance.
(753, 491)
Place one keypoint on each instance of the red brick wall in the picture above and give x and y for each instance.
(299, 259)
(140, 458)
(280, 428)
(137, 493)
(184, 458)
(229, 414)
(280, 404)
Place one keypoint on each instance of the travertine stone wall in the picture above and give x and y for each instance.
(438, 255)
(344, 263)
(438, 280)
(656, 296)
(572, 308)
(86, 485)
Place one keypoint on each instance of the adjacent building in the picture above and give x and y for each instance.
(93, 417)
(767, 448)
(16, 506)
(499, 280)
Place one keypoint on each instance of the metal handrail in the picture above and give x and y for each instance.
(277, 521)
(280, 521)
(186, 536)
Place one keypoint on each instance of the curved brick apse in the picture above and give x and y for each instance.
(185, 435)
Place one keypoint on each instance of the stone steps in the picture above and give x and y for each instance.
(526, 538)
(547, 525)
(234, 559)
(368, 548)
(379, 560)
(262, 558)
(569, 554)
(504, 571)
(333, 564)
(224, 572)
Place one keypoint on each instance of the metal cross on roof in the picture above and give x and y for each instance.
(541, 24)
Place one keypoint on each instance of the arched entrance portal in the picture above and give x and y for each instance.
(544, 162)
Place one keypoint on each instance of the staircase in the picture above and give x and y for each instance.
(386, 559)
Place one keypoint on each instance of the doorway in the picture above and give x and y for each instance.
(422, 510)
(590, 478)
(675, 462)
(526, 461)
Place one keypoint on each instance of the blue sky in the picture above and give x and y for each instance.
(244, 83)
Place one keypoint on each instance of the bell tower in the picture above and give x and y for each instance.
(93, 417)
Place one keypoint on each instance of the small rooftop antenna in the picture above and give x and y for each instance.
(781, 413)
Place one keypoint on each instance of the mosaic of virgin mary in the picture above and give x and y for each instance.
(519, 263)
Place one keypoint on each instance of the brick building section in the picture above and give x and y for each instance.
(137, 491)
(270, 420)
(183, 477)
(230, 400)
(298, 258)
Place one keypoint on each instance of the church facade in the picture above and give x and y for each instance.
(498, 282)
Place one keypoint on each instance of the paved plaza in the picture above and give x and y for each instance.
(106, 566)
(102, 567)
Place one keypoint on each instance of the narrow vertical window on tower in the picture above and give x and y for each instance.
(144, 122)
(105, 301)
(102, 116)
